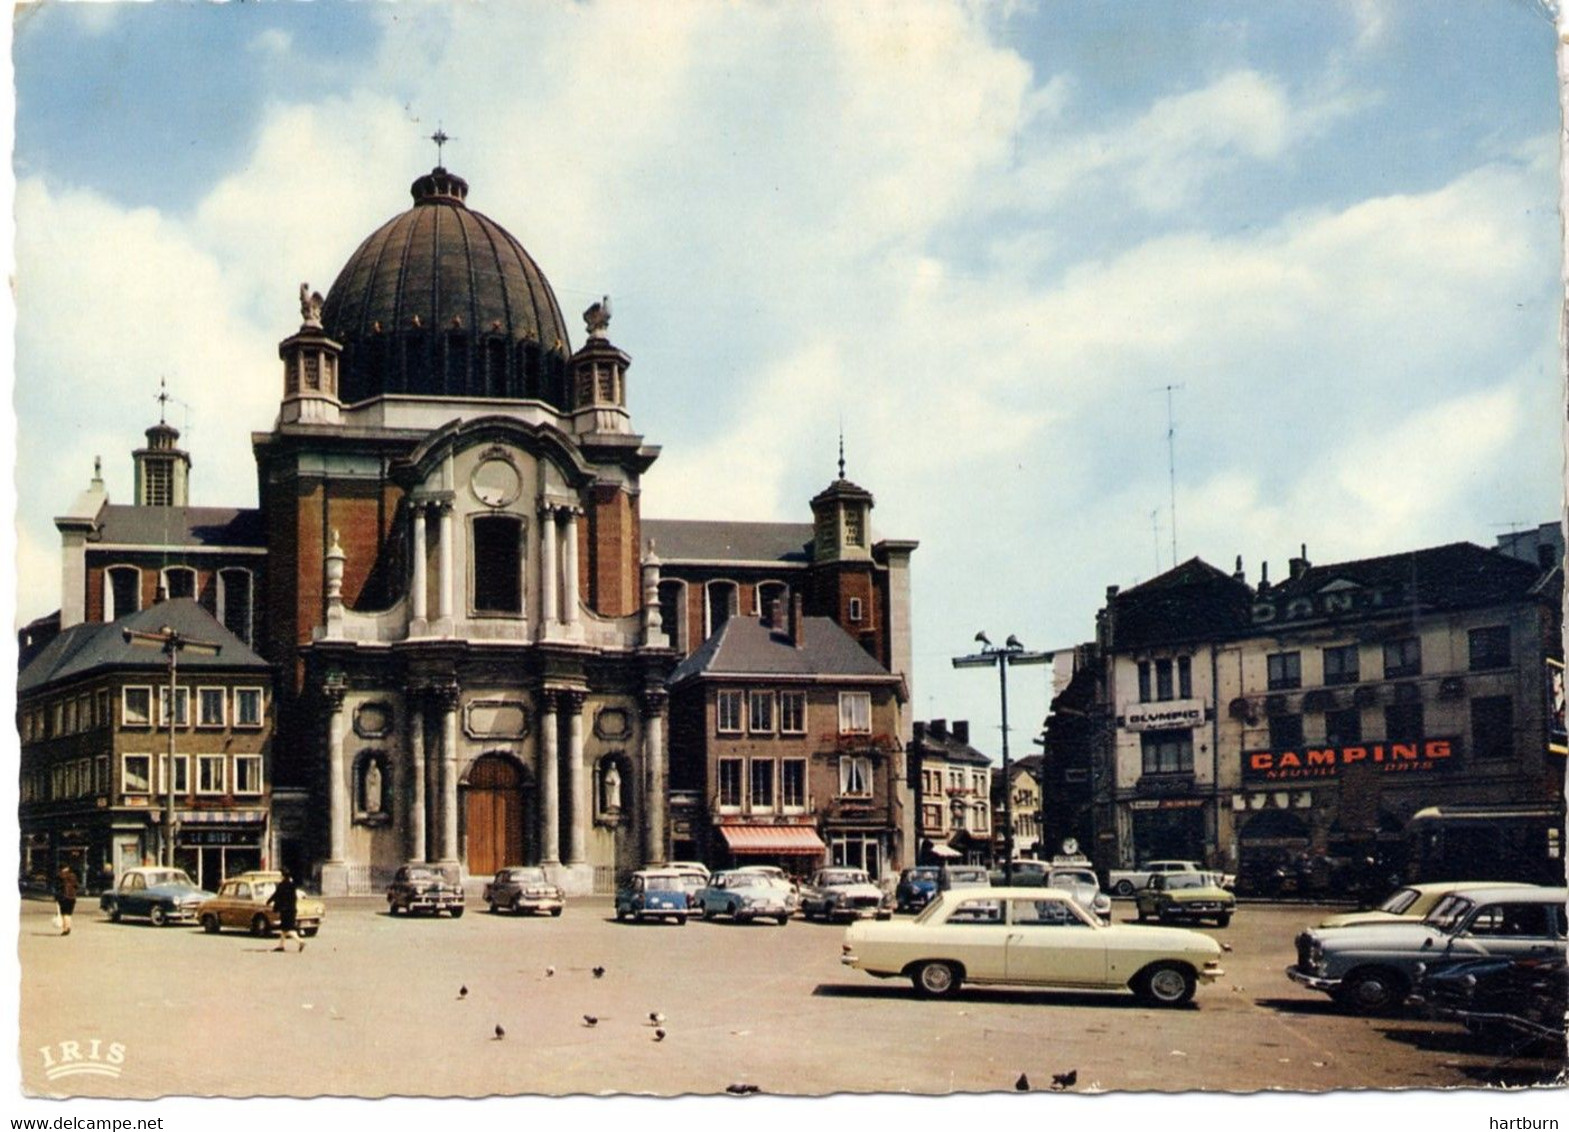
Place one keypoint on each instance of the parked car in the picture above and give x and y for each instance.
(653, 894)
(424, 888)
(841, 894)
(691, 882)
(523, 888)
(1125, 882)
(1515, 1000)
(163, 895)
(915, 889)
(691, 867)
(1027, 873)
(743, 895)
(780, 875)
(1035, 937)
(1371, 968)
(1410, 903)
(242, 903)
(1186, 896)
(962, 876)
(1080, 882)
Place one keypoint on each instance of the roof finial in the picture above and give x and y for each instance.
(441, 138)
(841, 449)
(163, 402)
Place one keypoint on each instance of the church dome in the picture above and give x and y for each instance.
(441, 301)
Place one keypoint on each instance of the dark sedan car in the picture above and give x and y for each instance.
(424, 888)
(164, 896)
(1506, 998)
(524, 888)
(916, 888)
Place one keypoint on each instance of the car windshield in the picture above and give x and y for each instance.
(1186, 880)
(921, 874)
(1450, 911)
(1073, 878)
(421, 874)
(844, 876)
(1399, 900)
(967, 876)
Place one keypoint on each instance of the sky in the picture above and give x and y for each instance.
(1048, 265)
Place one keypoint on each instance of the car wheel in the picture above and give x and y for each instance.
(210, 924)
(621, 915)
(1124, 888)
(158, 915)
(310, 933)
(1371, 990)
(457, 913)
(1166, 984)
(935, 979)
(555, 911)
(1143, 915)
(494, 909)
(259, 925)
(680, 921)
(1223, 921)
(708, 913)
(114, 915)
(783, 920)
(517, 905)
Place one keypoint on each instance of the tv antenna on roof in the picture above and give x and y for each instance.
(1171, 463)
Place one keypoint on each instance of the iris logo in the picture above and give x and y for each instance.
(94, 1056)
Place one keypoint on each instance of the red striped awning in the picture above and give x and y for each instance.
(785, 839)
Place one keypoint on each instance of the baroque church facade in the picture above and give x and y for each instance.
(470, 624)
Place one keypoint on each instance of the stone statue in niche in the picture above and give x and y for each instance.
(610, 801)
(373, 787)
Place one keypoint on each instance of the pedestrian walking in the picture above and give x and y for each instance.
(285, 898)
(65, 897)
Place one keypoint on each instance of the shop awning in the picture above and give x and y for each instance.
(945, 851)
(785, 839)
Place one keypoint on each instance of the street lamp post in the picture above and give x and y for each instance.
(1002, 657)
(172, 642)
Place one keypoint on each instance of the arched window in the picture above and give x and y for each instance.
(179, 581)
(722, 601)
(672, 612)
(234, 601)
(497, 582)
(122, 591)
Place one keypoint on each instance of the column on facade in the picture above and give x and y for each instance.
(549, 788)
(444, 590)
(548, 614)
(447, 698)
(337, 781)
(577, 779)
(418, 848)
(418, 583)
(654, 777)
(569, 582)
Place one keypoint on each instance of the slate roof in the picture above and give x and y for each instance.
(125, 525)
(1193, 601)
(943, 745)
(1460, 575)
(91, 646)
(744, 646)
(701, 540)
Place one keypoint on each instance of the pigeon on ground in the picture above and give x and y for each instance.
(655, 1018)
(659, 1035)
(590, 1020)
(599, 972)
(1066, 1080)
(1022, 1085)
(1226, 947)
(500, 1033)
(463, 991)
(742, 1089)
(550, 972)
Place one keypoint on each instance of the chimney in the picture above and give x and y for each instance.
(961, 731)
(1299, 566)
(1239, 574)
(161, 594)
(797, 621)
(938, 728)
(1263, 577)
(772, 614)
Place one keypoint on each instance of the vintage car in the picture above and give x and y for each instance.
(242, 903)
(424, 888)
(1516, 1000)
(163, 895)
(690, 867)
(1080, 881)
(653, 894)
(1410, 903)
(915, 889)
(1186, 896)
(1371, 968)
(1027, 873)
(523, 888)
(962, 876)
(841, 894)
(744, 895)
(1125, 882)
(780, 875)
(1034, 937)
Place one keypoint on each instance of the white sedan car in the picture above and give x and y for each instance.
(1035, 937)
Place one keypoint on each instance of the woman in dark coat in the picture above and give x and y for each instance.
(285, 898)
(65, 897)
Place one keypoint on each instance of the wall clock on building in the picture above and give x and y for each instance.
(496, 482)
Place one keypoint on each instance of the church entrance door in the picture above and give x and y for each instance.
(493, 812)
